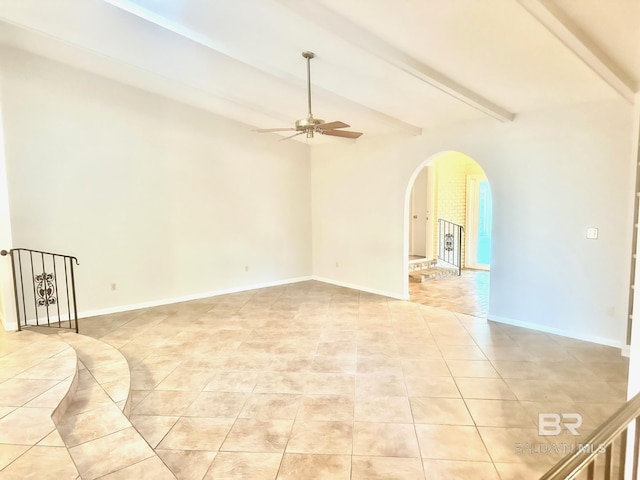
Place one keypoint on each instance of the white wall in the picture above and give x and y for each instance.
(162, 199)
(552, 174)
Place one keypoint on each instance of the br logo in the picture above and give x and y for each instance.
(551, 424)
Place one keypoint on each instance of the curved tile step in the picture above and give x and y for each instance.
(39, 379)
(106, 365)
(95, 428)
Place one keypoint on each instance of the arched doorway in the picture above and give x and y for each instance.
(448, 223)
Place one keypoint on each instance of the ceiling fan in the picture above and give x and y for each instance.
(311, 125)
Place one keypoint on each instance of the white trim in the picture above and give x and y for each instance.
(563, 333)
(186, 298)
(361, 288)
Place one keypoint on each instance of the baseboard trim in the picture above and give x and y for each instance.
(361, 288)
(563, 333)
(187, 298)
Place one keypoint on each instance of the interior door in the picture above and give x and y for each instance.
(420, 215)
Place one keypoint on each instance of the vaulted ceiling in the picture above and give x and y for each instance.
(381, 65)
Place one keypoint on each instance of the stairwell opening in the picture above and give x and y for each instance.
(448, 224)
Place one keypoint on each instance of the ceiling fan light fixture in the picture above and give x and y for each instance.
(310, 125)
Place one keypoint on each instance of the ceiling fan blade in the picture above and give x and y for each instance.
(269, 130)
(342, 133)
(332, 125)
(291, 136)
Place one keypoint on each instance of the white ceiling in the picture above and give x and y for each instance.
(381, 65)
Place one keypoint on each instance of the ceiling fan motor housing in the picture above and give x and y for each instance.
(308, 125)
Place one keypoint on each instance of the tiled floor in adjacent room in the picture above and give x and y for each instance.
(467, 293)
(313, 381)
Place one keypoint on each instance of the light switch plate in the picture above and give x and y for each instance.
(592, 233)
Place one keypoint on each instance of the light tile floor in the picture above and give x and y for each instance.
(468, 293)
(313, 381)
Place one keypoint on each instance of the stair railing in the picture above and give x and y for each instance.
(601, 442)
(44, 287)
(450, 243)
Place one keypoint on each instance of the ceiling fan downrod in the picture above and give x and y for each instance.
(309, 123)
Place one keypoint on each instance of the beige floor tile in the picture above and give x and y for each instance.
(521, 471)
(334, 364)
(195, 433)
(144, 379)
(187, 464)
(232, 381)
(297, 347)
(450, 469)
(149, 469)
(386, 468)
(539, 390)
(330, 384)
(443, 411)
(259, 436)
(424, 386)
(380, 385)
(52, 440)
(9, 452)
(319, 467)
(87, 399)
(39, 463)
(596, 392)
(271, 406)
(110, 372)
(383, 409)
(431, 367)
(472, 368)
(217, 404)
(280, 382)
(52, 397)
(15, 392)
(26, 426)
(484, 388)
(326, 407)
(345, 347)
(55, 368)
(110, 453)
(96, 423)
(165, 402)
(6, 411)
(186, 379)
(499, 413)
(153, 428)
(321, 437)
(513, 445)
(244, 466)
(384, 440)
(451, 442)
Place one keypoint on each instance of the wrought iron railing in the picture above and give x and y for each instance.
(608, 443)
(450, 243)
(44, 287)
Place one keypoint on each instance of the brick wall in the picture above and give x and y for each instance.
(451, 170)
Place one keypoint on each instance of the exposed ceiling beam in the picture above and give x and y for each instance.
(252, 62)
(24, 37)
(354, 34)
(559, 24)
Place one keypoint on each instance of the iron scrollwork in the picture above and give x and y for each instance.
(448, 242)
(45, 289)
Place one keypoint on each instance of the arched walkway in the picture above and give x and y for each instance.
(448, 186)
